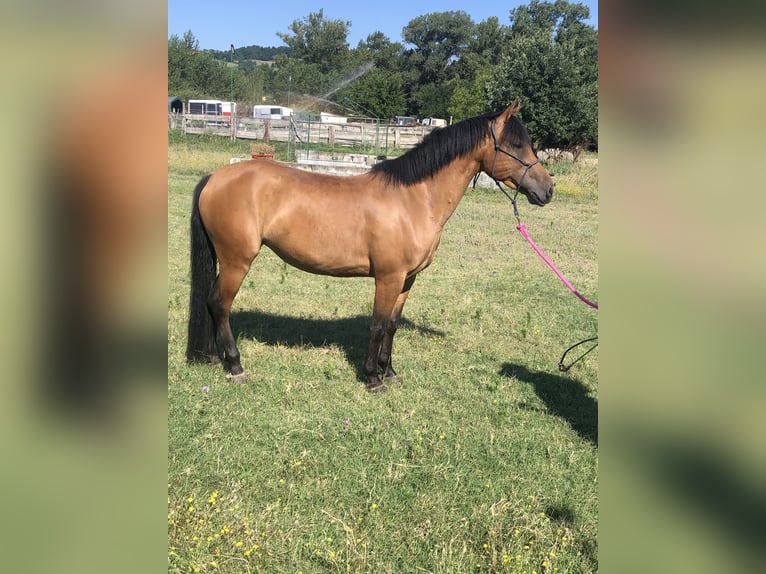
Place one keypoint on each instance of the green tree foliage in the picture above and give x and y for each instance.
(261, 53)
(385, 54)
(440, 40)
(551, 63)
(194, 73)
(378, 93)
(467, 98)
(318, 40)
(293, 76)
(475, 68)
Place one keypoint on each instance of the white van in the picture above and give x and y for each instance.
(434, 122)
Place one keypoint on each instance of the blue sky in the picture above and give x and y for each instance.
(217, 25)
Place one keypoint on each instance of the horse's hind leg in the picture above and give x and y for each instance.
(386, 347)
(229, 280)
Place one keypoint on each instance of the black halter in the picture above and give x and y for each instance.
(526, 165)
(499, 149)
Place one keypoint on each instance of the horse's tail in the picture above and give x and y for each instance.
(200, 345)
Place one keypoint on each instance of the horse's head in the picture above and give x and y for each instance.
(511, 160)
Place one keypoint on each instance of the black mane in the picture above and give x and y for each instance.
(443, 145)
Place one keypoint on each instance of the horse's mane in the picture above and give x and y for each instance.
(443, 145)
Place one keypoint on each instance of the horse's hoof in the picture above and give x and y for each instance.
(392, 380)
(238, 378)
(377, 388)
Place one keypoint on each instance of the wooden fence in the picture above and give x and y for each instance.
(372, 134)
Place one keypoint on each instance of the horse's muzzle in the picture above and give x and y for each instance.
(539, 198)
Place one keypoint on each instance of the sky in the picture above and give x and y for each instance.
(217, 25)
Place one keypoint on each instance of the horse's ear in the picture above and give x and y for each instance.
(512, 110)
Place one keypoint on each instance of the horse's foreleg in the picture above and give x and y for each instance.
(386, 347)
(230, 278)
(387, 292)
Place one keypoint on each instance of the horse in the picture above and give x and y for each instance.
(385, 224)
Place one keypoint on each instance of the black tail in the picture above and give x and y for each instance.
(200, 344)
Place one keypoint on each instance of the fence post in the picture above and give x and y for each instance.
(308, 138)
(388, 123)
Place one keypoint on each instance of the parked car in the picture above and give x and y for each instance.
(405, 121)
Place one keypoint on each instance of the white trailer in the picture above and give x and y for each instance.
(269, 112)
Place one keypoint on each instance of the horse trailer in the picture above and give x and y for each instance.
(212, 108)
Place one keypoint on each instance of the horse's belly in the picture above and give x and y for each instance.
(322, 258)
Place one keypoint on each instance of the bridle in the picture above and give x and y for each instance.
(527, 165)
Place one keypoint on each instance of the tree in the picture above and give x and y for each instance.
(385, 55)
(296, 77)
(475, 67)
(378, 93)
(551, 64)
(318, 40)
(181, 52)
(468, 98)
(440, 40)
(193, 73)
(487, 41)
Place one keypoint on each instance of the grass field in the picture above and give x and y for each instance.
(483, 460)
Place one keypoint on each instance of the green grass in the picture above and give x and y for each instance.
(483, 460)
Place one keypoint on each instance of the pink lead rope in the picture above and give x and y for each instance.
(523, 230)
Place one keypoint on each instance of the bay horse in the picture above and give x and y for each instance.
(384, 224)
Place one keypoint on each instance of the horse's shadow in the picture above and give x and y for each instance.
(564, 397)
(350, 334)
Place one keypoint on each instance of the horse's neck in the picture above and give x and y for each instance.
(449, 185)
